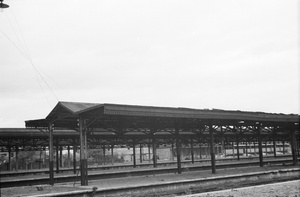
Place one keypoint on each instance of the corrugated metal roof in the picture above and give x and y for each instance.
(68, 112)
(133, 110)
(73, 107)
(76, 107)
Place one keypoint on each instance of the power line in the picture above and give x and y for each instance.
(25, 52)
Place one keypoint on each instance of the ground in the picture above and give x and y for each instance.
(282, 189)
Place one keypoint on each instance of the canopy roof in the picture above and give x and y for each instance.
(123, 124)
(65, 114)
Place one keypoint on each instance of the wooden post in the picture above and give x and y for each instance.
(51, 153)
(212, 149)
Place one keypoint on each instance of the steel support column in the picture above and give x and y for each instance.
(74, 159)
(61, 156)
(192, 150)
(205, 148)
(51, 153)
(104, 153)
(246, 148)
(266, 147)
(17, 158)
(200, 147)
(134, 155)
(149, 151)
(172, 150)
(274, 147)
(154, 151)
(238, 148)
(274, 141)
(9, 158)
(222, 145)
(112, 154)
(141, 153)
(69, 157)
(212, 149)
(298, 145)
(57, 155)
(294, 147)
(83, 151)
(260, 151)
(178, 152)
(225, 146)
(40, 158)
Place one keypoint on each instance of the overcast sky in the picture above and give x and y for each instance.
(225, 54)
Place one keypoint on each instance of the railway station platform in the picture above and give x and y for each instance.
(23, 178)
(162, 184)
(155, 185)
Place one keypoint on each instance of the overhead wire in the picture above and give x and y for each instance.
(35, 70)
(13, 29)
(28, 56)
(25, 52)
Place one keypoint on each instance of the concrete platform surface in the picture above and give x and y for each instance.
(117, 183)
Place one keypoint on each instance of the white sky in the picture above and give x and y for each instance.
(232, 55)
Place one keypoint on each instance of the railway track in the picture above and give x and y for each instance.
(126, 166)
(94, 175)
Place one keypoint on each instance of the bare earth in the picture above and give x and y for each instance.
(290, 188)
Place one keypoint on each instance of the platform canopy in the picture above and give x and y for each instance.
(115, 124)
(121, 121)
